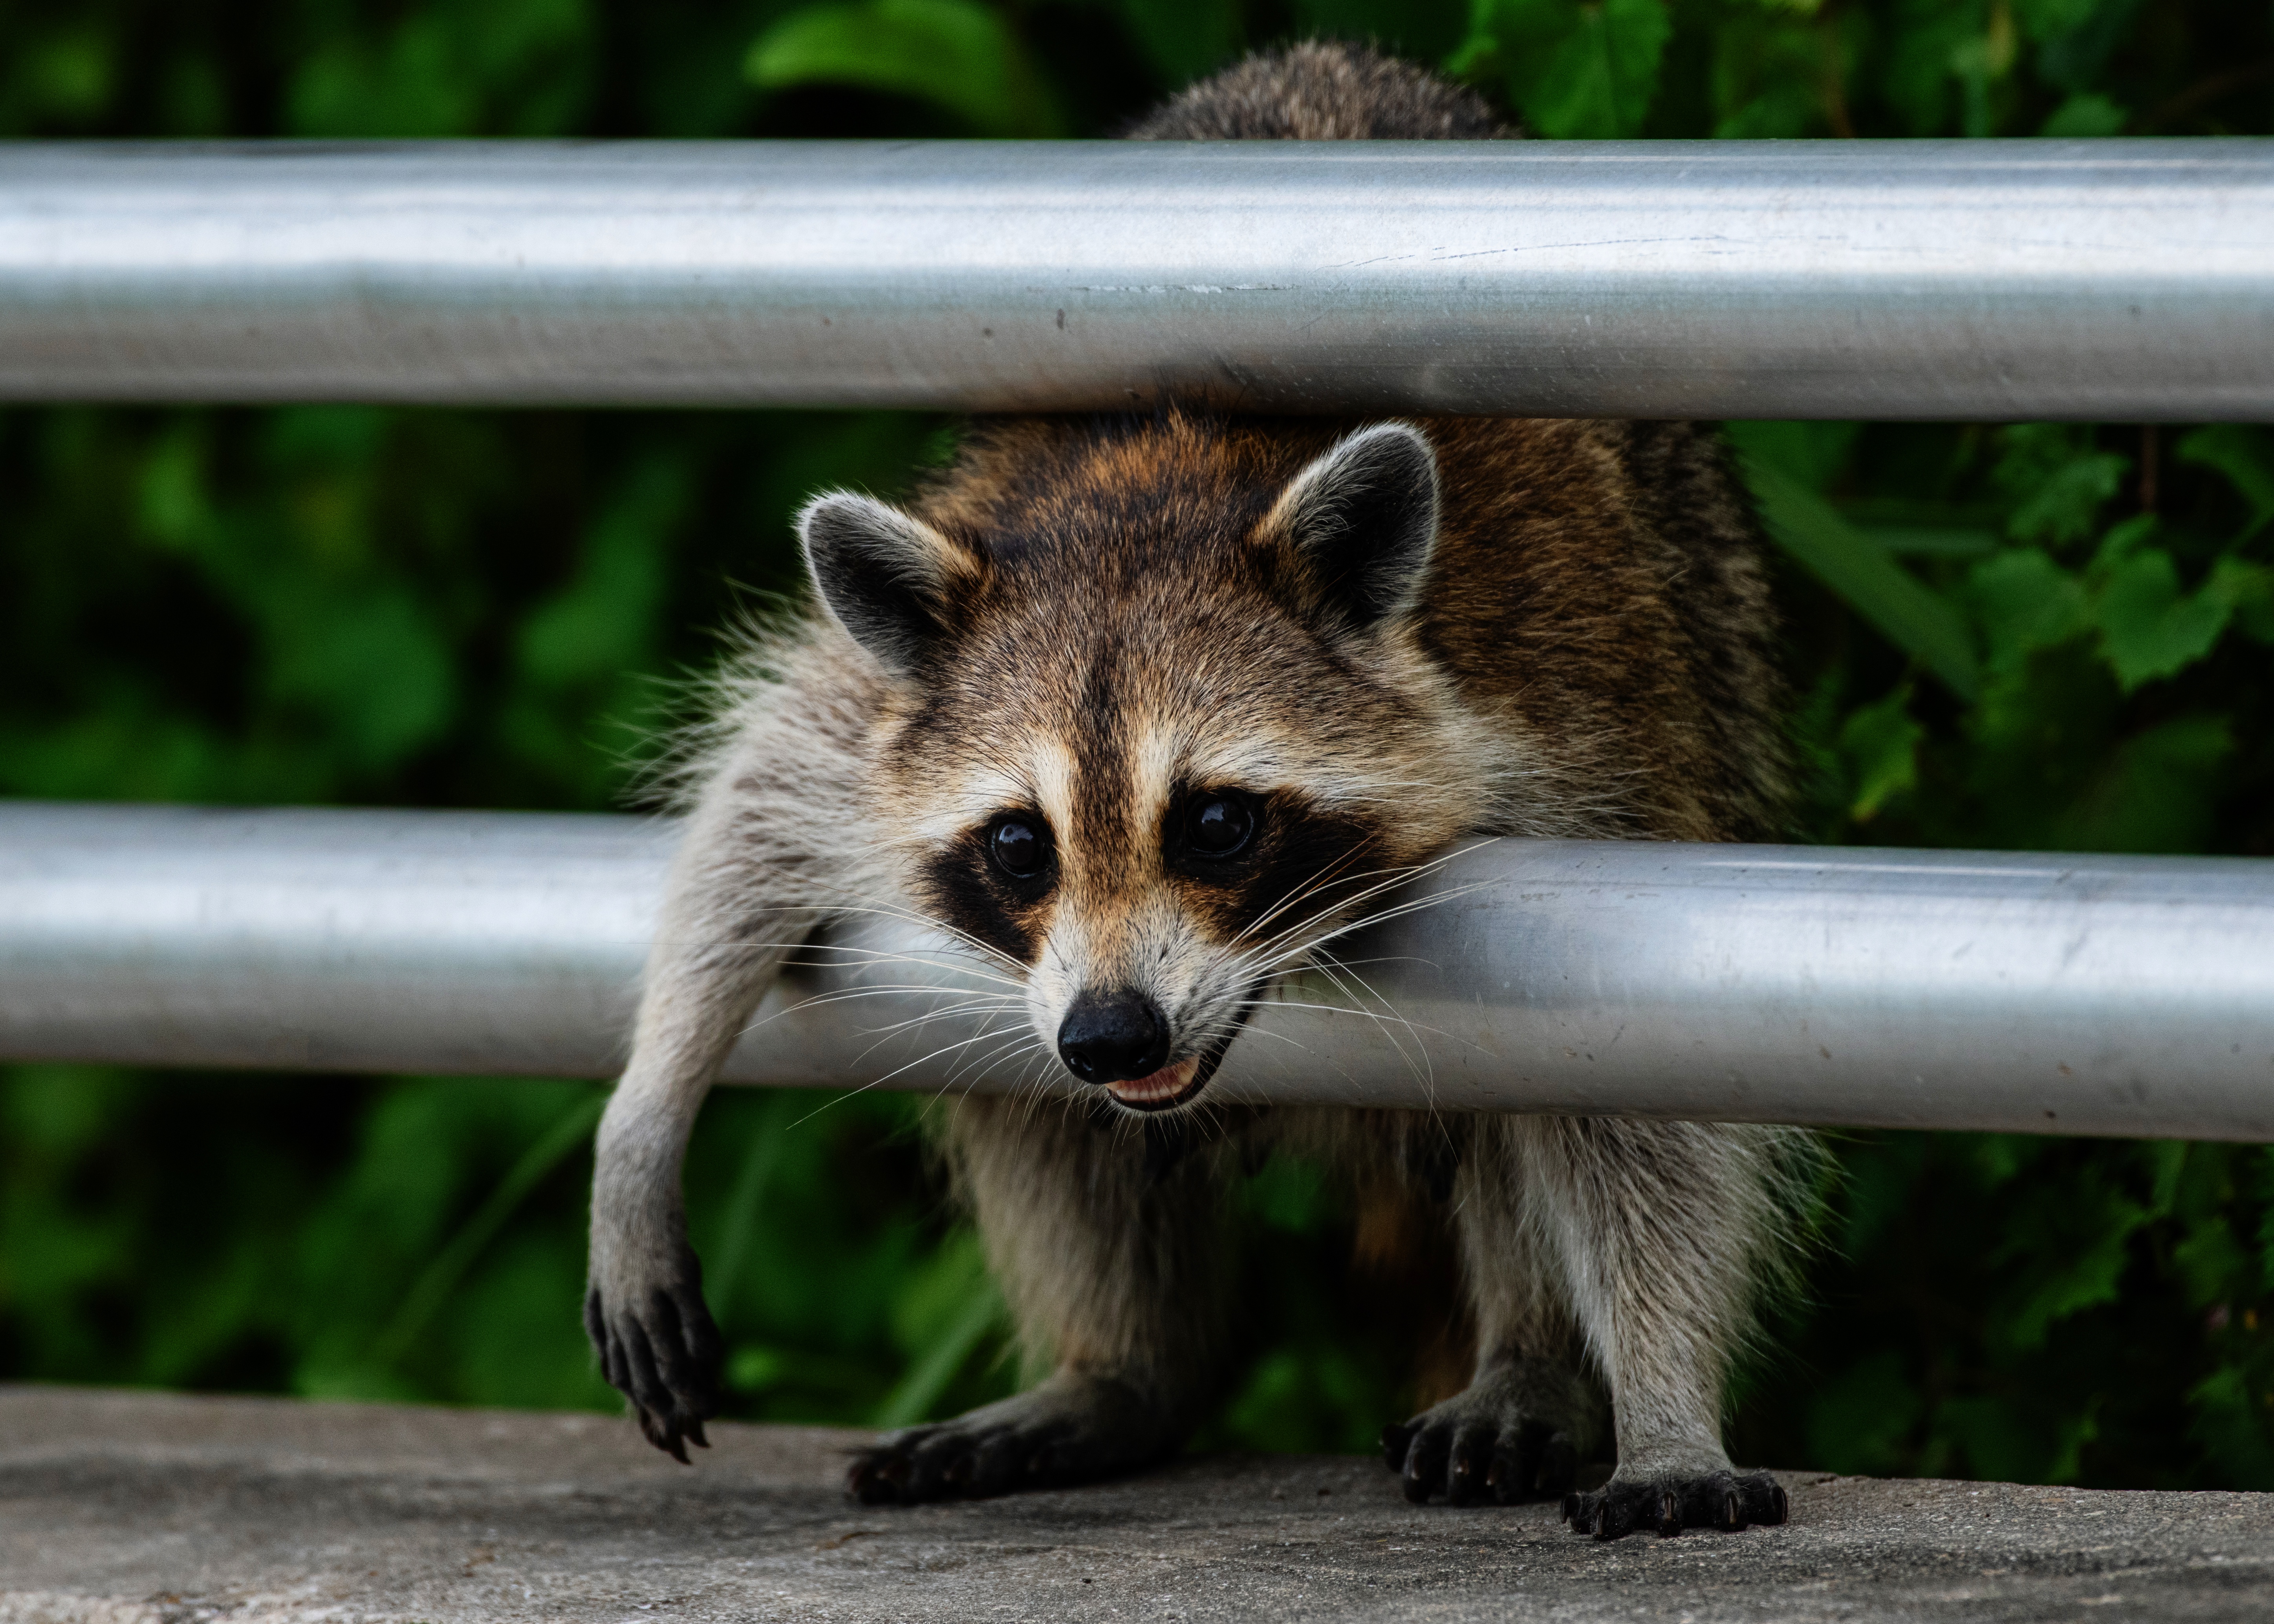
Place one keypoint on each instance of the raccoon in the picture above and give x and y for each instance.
(1146, 709)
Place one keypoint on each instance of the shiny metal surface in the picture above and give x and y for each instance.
(2052, 994)
(1989, 280)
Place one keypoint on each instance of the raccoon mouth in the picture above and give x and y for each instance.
(1180, 1081)
(1171, 1086)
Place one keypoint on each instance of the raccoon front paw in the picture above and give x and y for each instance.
(1498, 1440)
(1669, 1503)
(1468, 1461)
(1069, 1430)
(660, 1348)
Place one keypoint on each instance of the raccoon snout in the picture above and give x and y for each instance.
(1111, 1037)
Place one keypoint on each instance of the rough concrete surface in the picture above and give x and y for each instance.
(149, 1508)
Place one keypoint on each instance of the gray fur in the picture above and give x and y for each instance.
(1603, 1258)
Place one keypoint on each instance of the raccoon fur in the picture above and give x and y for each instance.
(1146, 708)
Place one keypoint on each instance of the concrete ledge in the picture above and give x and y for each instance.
(151, 1508)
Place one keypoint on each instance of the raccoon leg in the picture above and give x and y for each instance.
(1659, 1232)
(1529, 1415)
(1111, 1267)
(644, 1303)
(775, 837)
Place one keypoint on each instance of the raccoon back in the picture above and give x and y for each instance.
(1323, 90)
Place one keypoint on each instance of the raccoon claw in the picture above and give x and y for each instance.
(1066, 1431)
(1666, 1505)
(1466, 1461)
(665, 1357)
(950, 1461)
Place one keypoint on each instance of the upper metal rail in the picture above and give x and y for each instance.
(2127, 279)
(2129, 996)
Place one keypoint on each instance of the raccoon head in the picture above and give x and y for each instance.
(1162, 720)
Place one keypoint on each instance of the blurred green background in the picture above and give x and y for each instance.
(2025, 636)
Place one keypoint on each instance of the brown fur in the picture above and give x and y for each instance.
(1320, 91)
(1376, 640)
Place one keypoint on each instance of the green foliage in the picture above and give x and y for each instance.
(959, 53)
(2041, 636)
(1572, 68)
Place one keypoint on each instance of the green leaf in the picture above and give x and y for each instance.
(375, 666)
(1186, 39)
(2244, 454)
(70, 76)
(1870, 583)
(2250, 587)
(2264, 1181)
(1938, 541)
(2212, 1264)
(2090, 115)
(1773, 74)
(2025, 602)
(1881, 743)
(1861, 1420)
(2148, 629)
(942, 1317)
(1576, 69)
(2227, 1419)
(2154, 792)
(601, 623)
(1420, 33)
(448, 1267)
(2084, 1274)
(2046, 20)
(2064, 505)
(1812, 453)
(955, 54)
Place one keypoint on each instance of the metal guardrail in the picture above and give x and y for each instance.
(2127, 279)
(2088, 995)
(1988, 280)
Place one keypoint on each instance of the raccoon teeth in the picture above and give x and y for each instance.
(1165, 1084)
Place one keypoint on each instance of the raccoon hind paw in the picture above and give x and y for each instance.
(1666, 1505)
(1070, 1430)
(953, 1461)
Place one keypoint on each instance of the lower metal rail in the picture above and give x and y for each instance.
(2130, 996)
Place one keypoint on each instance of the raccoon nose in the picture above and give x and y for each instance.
(1111, 1037)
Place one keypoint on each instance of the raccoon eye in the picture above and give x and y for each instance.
(1018, 847)
(1219, 825)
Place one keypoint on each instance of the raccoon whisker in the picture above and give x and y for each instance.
(1278, 1037)
(944, 989)
(865, 904)
(1328, 966)
(1294, 955)
(838, 994)
(878, 1082)
(865, 955)
(1393, 878)
(945, 1049)
(989, 1001)
(1335, 1009)
(982, 1011)
(1019, 1087)
(1012, 1042)
(1304, 888)
(904, 916)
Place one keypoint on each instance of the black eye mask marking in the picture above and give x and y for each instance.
(994, 884)
(1292, 863)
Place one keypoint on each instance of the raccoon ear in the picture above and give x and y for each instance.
(884, 574)
(1364, 517)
